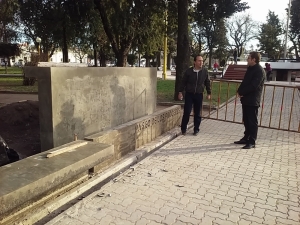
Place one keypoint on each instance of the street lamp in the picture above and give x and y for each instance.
(164, 74)
(38, 41)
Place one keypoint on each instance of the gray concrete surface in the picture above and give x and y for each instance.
(134, 134)
(29, 179)
(89, 100)
(10, 98)
(204, 179)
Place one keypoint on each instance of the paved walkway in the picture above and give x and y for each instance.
(203, 180)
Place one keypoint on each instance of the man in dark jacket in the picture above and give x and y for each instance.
(193, 82)
(250, 92)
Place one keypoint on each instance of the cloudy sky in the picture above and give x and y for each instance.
(259, 8)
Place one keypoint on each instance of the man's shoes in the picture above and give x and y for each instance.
(249, 146)
(195, 133)
(242, 141)
(183, 132)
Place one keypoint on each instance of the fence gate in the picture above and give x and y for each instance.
(280, 105)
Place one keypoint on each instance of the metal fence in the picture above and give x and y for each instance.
(280, 105)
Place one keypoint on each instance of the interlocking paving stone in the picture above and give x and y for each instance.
(205, 179)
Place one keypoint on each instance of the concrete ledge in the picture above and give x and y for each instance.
(52, 64)
(28, 186)
(132, 135)
(28, 180)
(49, 211)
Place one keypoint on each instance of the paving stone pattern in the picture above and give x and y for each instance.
(203, 179)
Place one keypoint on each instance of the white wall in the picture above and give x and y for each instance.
(57, 57)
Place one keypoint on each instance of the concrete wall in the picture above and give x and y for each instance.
(134, 134)
(27, 181)
(27, 184)
(89, 100)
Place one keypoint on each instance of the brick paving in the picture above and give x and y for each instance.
(204, 179)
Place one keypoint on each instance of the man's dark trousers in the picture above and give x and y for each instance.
(191, 100)
(250, 123)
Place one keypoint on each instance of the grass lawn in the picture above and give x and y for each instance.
(16, 84)
(11, 70)
(165, 91)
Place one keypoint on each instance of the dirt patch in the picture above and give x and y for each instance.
(19, 126)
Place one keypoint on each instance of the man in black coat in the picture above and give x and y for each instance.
(194, 81)
(250, 92)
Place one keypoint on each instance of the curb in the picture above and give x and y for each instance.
(18, 92)
(205, 105)
(52, 209)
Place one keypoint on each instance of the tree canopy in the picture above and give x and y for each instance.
(241, 29)
(295, 26)
(8, 10)
(269, 36)
(209, 15)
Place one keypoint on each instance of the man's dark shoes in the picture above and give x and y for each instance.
(249, 146)
(242, 141)
(195, 133)
(183, 132)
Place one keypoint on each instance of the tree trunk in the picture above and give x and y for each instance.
(169, 61)
(200, 44)
(95, 55)
(147, 63)
(65, 46)
(121, 59)
(296, 48)
(139, 59)
(102, 59)
(210, 57)
(158, 59)
(183, 48)
(46, 53)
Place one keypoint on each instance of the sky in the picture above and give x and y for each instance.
(260, 8)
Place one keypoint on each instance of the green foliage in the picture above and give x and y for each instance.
(8, 20)
(8, 50)
(57, 23)
(295, 26)
(135, 24)
(131, 59)
(210, 15)
(150, 41)
(269, 36)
